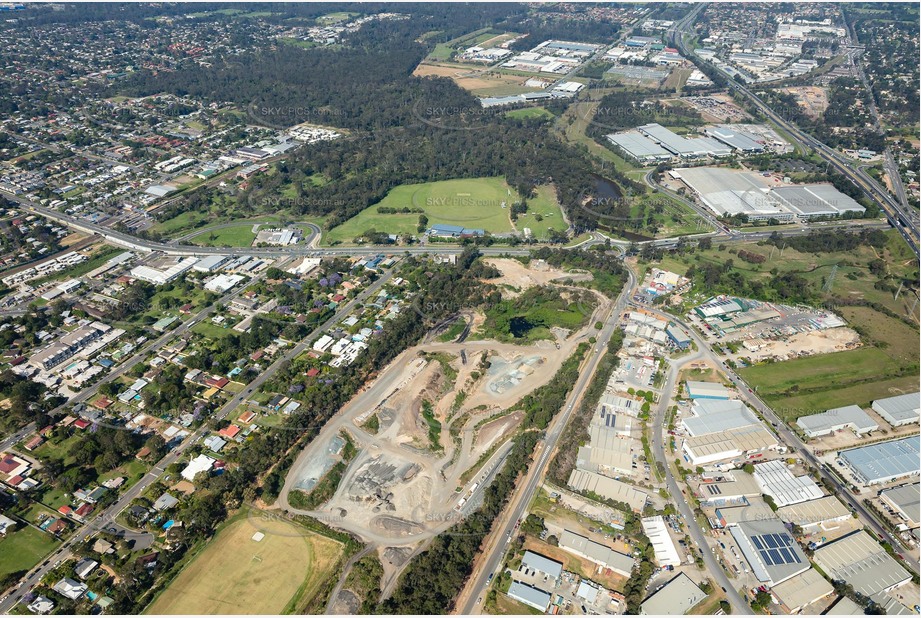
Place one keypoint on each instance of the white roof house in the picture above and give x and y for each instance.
(202, 463)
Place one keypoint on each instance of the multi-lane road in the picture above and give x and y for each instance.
(899, 217)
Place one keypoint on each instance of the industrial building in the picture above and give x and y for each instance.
(776, 480)
(542, 564)
(160, 276)
(814, 513)
(678, 336)
(899, 410)
(675, 598)
(730, 192)
(860, 561)
(756, 510)
(730, 444)
(706, 390)
(222, 283)
(714, 415)
(816, 200)
(720, 307)
(602, 555)
(662, 544)
(906, 501)
(737, 140)
(772, 553)
(721, 430)
(454, 231)
(529, 595)
(728, 487)
(682, 147)
(638, 147)
(885, 461)
(609, 453)
(583, 480)
(210, 263)
(801, 590)
(837, 419)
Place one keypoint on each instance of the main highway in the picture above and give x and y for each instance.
(903, 220)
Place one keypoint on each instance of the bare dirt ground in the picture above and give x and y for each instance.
(521, 277)
(813, 99)
(470, 78)
(806, 344)
(400, 490)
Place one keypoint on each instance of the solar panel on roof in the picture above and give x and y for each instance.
(775, 555)
(769, 540)
(788, 557)
(757, 543)
(766, 559)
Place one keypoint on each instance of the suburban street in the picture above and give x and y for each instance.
(100, 520)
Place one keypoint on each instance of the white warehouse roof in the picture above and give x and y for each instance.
(777, 481)
(860, 561)
(852, 417)
(899, 410)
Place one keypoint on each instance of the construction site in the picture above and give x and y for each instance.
(431, 431)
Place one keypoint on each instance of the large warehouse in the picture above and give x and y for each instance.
(899, 410)
(713, 415)
(836, 419)
(776, 480)
(758, 197)
(884, 462)
(814, 513)
(639, 147)
(802, 590)
(706, 390)
(770, 550)
(603, 555)
(583, 480)
(721, 430)
(662, 544)
(906, 501)
(675, 598)
(683, 147)
(860, 561)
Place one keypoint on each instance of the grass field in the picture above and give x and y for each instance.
(529, 112)
(551, 215)
(276, 575)
(237, 236)
(23, 549)
(470, 202)
(818, 383)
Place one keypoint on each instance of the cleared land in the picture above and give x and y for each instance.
(277, 574)
(469, 202)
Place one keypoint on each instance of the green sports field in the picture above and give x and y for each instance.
(277, 574)
(23, 549)
(469, 202)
